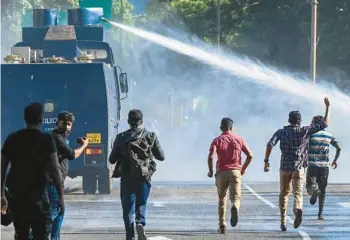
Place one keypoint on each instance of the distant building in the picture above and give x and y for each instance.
(139, 6)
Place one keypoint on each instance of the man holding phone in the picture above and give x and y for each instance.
(64, 126)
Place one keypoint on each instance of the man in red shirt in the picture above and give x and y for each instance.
(229, 170)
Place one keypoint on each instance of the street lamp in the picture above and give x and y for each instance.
(313, 54)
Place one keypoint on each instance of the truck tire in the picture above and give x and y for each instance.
(105, 181)
(89, 183)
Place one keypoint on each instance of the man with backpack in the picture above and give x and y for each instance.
(133, 153)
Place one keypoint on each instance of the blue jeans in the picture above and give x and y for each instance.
(56, 217)
(134, 195)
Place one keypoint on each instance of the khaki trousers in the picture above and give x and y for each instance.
(228, 180)
(297, 180)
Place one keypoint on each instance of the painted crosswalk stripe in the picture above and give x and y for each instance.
(345, 204)
(158, 238)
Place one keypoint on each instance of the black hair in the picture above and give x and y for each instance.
(226, 124)
(294, 117)
(66, 116)
(33, 113)
(135, 117)
(318, 119)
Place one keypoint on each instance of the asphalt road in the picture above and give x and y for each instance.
(188, 211)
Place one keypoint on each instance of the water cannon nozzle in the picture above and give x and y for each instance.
(104, 19)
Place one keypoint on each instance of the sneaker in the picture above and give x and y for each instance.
(313, 199)
(320, 217)
(234, 216)
(298, 218)
(222, 229)
(141, 232)
(283, 227)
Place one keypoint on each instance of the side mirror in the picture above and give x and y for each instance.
(123, 81)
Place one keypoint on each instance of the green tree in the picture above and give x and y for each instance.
(275, 31)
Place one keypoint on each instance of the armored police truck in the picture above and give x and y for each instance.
(67, 67)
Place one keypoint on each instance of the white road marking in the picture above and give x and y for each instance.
(259, 197)
(345, 204)
(303, 234)
(91, 200)
(158, 238)
(154, 203)
(158, 204)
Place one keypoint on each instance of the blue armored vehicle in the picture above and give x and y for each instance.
(67, 67)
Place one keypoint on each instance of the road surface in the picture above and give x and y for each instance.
(189, 211)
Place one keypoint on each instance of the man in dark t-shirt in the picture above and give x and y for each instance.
(33, 156)
(64, 124)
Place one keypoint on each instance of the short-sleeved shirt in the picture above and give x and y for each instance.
(64, 151)
(319, 148)
(294, 145)
(228, 147)
(28, 151)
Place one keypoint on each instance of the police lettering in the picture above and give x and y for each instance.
(49, 120)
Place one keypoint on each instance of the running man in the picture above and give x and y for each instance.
(229, 170)
(318, 170)
(294, 144)
(134, 152)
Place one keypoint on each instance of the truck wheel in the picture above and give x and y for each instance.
(89, 183)
(105, 181)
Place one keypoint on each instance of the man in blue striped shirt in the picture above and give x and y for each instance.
(318, 162)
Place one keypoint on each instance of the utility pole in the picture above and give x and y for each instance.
(218, 16)
(313, 53)
(120, 30)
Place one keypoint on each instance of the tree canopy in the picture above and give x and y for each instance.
(275, 31)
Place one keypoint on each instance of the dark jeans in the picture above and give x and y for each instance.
(56, 216)
(317, 179)
(134, 195)
(31, 218)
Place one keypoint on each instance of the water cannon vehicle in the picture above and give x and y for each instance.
(68, 67)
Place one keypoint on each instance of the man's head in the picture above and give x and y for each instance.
(33, 114)
(65, 122)
(295, 118)
(317, 119)
(226, 124)
(135, 118)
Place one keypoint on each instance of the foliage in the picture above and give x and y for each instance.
(275, 31)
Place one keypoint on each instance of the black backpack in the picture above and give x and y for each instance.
(140, 156)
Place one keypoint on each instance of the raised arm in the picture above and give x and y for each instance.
(66, 151)
(326, 115)
(314, 128)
